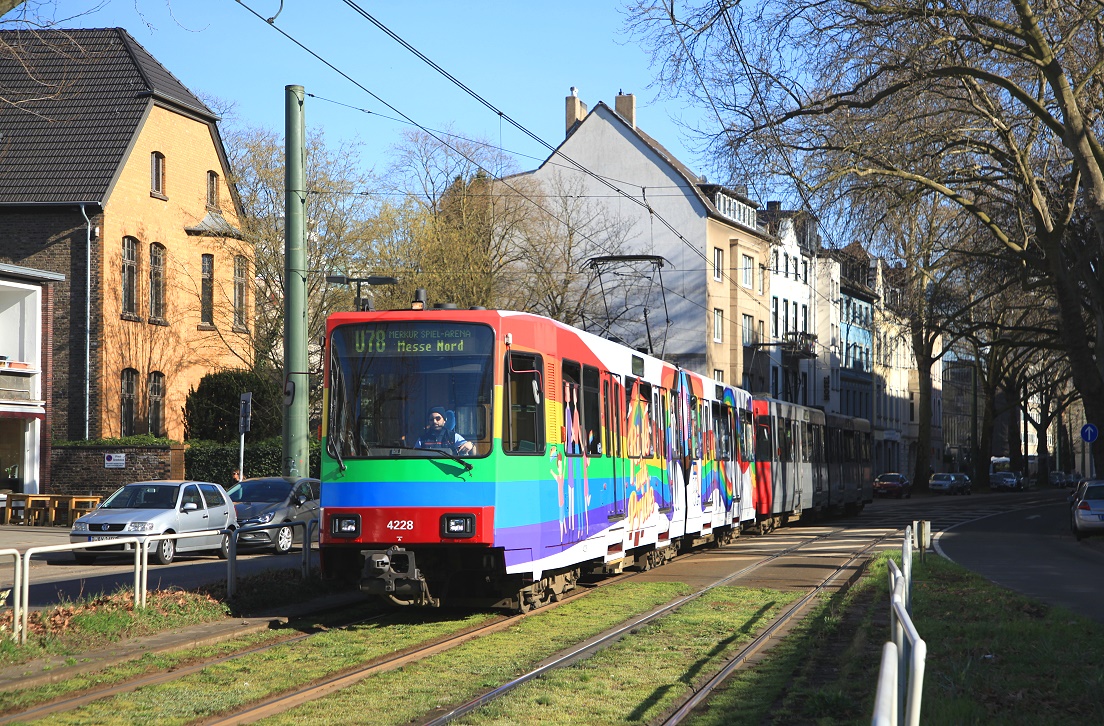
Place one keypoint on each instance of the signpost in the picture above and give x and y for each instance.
(1089, 434)
(245, 417)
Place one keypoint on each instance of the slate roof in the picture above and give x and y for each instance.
(700, 189)
(73, 101)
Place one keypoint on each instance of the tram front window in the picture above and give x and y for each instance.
(388, 378)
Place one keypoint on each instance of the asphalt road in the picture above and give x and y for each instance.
(1032, 551)
(1018, 540)
(56, 576)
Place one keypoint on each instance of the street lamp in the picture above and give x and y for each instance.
(359, 304)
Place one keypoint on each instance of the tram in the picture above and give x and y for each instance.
(582, 456)
(493, 458)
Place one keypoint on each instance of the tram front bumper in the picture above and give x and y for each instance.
(393, 573)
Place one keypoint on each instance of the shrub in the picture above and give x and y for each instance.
(214, 461)
(211, 410)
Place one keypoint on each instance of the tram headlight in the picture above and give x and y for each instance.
(458, 525)
(345, 525)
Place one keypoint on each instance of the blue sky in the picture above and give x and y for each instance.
(523, 57)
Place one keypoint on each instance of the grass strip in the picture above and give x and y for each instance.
(466, 671)
(993, 657)
(820, 673)
(85, 624)
(997, 657)
(232, 685)
(643, 675)
(95, 621)
(151, 663)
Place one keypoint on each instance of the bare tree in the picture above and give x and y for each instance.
(993, 105)
(566, 230)
(338, 205)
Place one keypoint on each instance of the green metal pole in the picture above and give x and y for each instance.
(296, 382)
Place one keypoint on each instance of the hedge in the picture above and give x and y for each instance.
(214, 461)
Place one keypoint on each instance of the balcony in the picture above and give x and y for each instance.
(17, 381)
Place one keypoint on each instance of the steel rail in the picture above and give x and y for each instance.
(604, 640)
(153, 679)
(763, 638)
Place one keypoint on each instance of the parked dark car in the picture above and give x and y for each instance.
(892, 484)
(1005, 481)
(274, 499)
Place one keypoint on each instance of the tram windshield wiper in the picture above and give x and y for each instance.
(433, 450)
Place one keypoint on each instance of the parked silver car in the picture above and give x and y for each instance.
(950, 483)
(274, 499)
(158, 507)
(1087, 509)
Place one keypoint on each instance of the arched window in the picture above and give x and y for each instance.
(128, 383)
(130, 276)
(157, 403)
(157, 282)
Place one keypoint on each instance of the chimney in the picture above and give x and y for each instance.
(626, 107)
(576, 109)
(774, 206)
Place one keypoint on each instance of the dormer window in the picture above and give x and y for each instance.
(213, 191)
(157, 175)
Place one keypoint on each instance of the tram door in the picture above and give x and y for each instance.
(613, 460)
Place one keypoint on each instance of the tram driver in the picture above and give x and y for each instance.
(437, 435)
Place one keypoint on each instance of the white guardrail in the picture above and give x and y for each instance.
(21, 587)
(901, 676)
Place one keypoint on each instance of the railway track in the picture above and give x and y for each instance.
(756, 557)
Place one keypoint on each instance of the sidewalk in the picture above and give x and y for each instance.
(21, 537)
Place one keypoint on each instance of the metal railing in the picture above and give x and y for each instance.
(309, 529)
(142, 544)
(901, 676)
(17, 579)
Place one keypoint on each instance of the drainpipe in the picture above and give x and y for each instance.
(87, 314)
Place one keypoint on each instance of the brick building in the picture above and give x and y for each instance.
(26, 347)
(114, 176)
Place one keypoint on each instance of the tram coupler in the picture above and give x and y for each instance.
(393, 574)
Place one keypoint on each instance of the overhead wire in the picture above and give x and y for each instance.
(503, 116)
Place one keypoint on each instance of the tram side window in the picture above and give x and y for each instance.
(764, 439)
(658, 417)
(818, 443)
(613, 438)
(746, 432)
(638, 419)
(695, 428)
(523, 412)
(572, 415)
(592, 417)
(722, 426)
(787, 440)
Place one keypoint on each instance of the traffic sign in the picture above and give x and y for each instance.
(1089, 432)
(245, 413)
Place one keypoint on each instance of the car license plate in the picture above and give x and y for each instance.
(102, 537)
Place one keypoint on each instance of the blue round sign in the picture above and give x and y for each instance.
(1089, 432)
